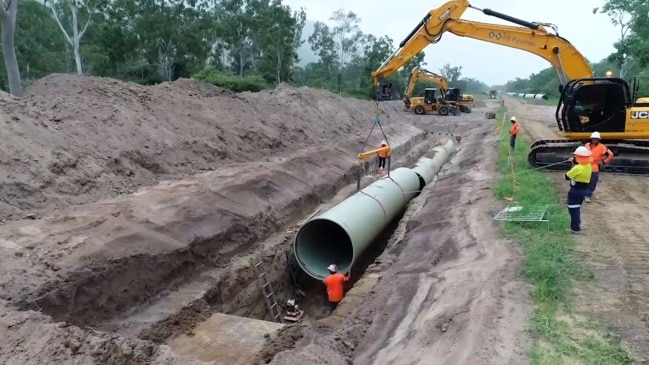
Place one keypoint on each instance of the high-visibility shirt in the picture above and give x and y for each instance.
(599, 151)
(335, 290)
(514, 130)
(580, 174)
(385, 153)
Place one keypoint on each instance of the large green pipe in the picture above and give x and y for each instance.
(340, 235)
(427, 168)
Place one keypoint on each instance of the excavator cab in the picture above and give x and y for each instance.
(605, 105)
(593, 104)
(453, 94)
(429, 96)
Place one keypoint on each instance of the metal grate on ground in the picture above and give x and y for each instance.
(522, 214)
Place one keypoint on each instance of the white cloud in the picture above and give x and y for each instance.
(593, 35)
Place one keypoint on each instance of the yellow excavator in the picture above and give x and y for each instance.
(450, 101)
(429, 102)
(587, 103)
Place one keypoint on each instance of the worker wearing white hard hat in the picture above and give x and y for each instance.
(335, 284)
(601, 156)
(383, 155)
(513, 132)
(579, 176)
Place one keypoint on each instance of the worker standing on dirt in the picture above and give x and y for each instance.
(579, 176)
(335, 286)
(601, 156)
(513, 132)
(383, 156)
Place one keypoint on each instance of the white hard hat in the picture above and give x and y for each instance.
(332, 268)
(384, 142)
(513, 119)
(290, 302)
(595, 135)
(582, 151)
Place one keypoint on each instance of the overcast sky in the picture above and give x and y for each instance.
(592, 34)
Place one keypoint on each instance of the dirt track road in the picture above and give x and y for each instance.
(616, 245)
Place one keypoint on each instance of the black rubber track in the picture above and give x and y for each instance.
(552, 154)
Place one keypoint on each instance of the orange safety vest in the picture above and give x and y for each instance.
(385, 154)
(514, 130)
(598, 152)
(335, 283)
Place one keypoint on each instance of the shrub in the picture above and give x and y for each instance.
(231, 82)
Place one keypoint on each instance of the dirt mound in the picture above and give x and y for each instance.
(33, 339)
(76, 139)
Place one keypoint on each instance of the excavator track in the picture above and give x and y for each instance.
(631, 157)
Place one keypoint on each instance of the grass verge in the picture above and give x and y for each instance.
(560, 334)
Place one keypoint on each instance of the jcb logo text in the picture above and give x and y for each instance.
(640, 115)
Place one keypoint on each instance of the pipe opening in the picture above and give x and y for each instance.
(422, 182)
(320, 243)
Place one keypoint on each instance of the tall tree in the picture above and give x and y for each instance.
(80, 13)
(346, 32)
(8, 13)
(451, 73)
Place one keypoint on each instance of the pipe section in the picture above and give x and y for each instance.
(340, 235)
(427, 168)
(529, 96)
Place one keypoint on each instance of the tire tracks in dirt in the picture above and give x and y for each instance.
(455, 294)
(615, 247)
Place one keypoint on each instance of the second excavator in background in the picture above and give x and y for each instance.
(493, 94)
(587, 104)
(430, 102)
(450, 100)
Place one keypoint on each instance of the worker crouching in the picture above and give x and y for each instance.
(579, 176)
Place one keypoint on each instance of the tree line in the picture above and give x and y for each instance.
(243, 45)
(629, 59)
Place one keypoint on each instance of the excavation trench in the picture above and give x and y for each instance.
(221, 279)
(240, 294)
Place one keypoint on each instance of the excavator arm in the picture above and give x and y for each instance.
(419, 74)
(531, 37)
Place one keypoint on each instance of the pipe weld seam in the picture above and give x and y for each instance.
(403, 193)
(385, 214)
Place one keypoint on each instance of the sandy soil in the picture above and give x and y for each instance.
(89, 252)
(76, 140)
(453, 291)
(134, 210)
(615, 247)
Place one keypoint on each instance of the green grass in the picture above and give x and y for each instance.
(560, 334)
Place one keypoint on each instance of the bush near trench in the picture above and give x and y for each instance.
(560, 334)
(231, 82)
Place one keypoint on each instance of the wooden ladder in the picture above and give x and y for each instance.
(267, 290)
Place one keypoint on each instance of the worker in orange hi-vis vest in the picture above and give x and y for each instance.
(383, 156)
(513, 132)
(335, 283)
(601, 156)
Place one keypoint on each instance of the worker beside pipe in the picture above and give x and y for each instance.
(513, 132)
(335, 283)
(383, 156)
(579, 176)
(601, 156)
